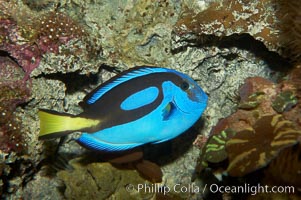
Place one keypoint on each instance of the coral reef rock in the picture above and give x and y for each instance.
(57, 51)
(101, 181)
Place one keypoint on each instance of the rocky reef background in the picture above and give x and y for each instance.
(53, 52)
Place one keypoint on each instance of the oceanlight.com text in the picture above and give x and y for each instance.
(212, 188)
(250, 189)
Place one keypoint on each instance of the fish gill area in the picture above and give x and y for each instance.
(245, 54)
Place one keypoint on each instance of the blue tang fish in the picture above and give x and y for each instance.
(139, 106)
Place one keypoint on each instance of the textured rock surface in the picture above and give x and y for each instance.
(101, 181)
(224, 18)
(134, 33)
(43, 187)
(131, 33)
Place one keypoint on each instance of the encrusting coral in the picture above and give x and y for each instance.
(224, 18)
(288, 165)
(98, 180)
(215, 149)
(133, 159)
(57, 28)
(252, 149)
(14, 92)
(264, 133)
(26, 35)
(275, 23)
(290, 26)
(284, 101)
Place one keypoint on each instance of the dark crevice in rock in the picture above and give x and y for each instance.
(74, 81)
(111, 69)
(241, 41)
(4, 53)
(20, 167)
(94, 179)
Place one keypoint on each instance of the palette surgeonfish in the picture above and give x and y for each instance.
(139, 106)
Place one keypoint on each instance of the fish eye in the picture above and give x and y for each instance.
(184, 85)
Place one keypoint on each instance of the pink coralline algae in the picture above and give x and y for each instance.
(27, 55)
(27, 43)
(13, 92)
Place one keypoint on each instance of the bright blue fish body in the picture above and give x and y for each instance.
(143, 105)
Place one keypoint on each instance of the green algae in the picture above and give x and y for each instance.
(252, 102)
(284, 101)
(215, 151)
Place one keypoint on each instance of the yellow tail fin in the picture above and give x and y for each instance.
(53, 124)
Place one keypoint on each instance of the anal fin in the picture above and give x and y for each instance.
(89, 141)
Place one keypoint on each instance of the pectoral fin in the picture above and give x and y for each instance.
(168, 111)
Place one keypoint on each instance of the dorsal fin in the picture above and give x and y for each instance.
(123, 77)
